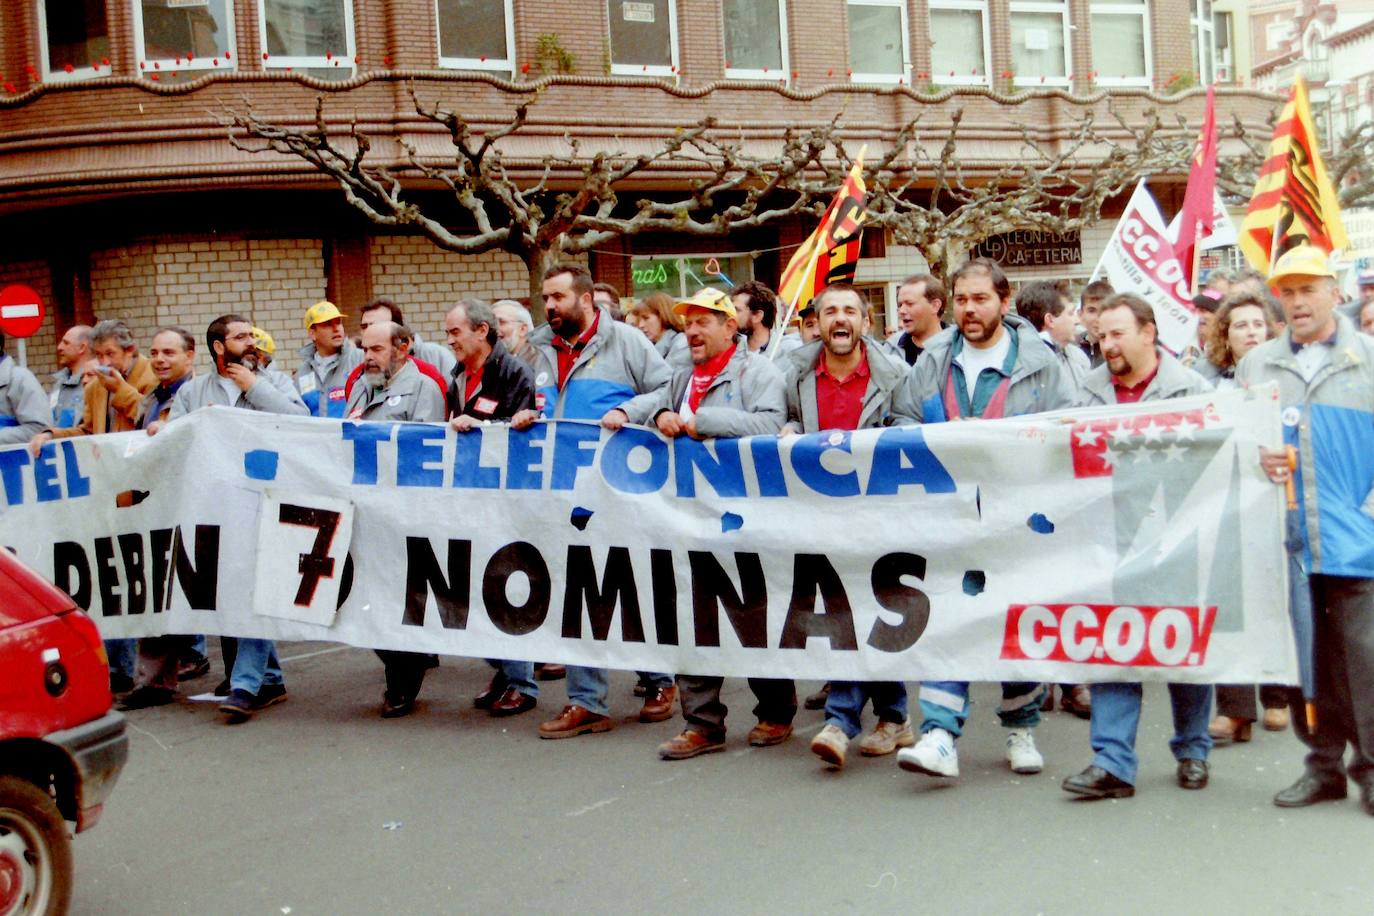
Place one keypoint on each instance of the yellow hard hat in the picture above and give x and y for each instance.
(321, 311)
(264, 341)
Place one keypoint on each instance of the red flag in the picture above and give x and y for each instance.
(1196, 217)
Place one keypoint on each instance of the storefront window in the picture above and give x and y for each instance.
(681, 276)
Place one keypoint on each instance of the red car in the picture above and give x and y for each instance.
(61, 745)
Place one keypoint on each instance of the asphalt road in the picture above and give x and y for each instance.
(320, 806)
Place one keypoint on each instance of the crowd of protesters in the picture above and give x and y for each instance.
(705, 366)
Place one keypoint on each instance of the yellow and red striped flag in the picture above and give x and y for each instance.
(1294, 202)
(840, 228)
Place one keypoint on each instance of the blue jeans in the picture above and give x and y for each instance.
(1116, 715)
(944, 704)
(123, 655)
(588, 687)
(255, 665)
(200, 645)
(847, 698)
(519, 675)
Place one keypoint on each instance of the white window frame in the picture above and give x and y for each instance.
(959, 79)
(890, 79)
(59, 75)
(748, 73)
(1044, 6)
(504, 65)
(646, 69)
(167, 64)
(1107, 8)
(342, 62)
(1201, 19)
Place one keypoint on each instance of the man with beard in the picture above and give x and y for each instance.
(757, 307)
(604, 370)
(171, 354)
(727, 391)
(392, 390)
(920, 302)
(1136, 369)
(255, 680)
(990, 365)
(326, 361)
(847, 381)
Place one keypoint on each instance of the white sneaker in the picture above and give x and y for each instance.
(1021, 752)
(933, 755)
(830, 745)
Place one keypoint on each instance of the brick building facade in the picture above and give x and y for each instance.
(120, 195)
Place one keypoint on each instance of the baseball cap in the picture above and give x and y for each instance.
(324, 310)
(1303, 261)
(264, 341)
(706, 298)
(1366, 278)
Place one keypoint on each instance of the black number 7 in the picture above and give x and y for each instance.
(317, 564)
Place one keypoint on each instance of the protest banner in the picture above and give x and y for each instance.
(1140, 542)
(1139, 258)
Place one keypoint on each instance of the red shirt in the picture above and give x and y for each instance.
(840, 401)
(568, 352)
(473, 382)
(428, 370)
(1132, 394)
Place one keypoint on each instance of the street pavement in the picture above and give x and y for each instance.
(320, 806)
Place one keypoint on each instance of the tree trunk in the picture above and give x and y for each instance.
(538, 260)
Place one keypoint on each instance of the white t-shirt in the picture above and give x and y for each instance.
(1311, 358)
(973, 360)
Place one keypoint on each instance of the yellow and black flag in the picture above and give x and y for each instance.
(832, 251)
(1294, 203)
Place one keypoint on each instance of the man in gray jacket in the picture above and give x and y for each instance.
(727, 391)
(326, 361)
(847, 381)
(1136, 369)
(602, 370)
(255, 680)
(392, 390)
(24, 410)
(990, 365)
(67, 395)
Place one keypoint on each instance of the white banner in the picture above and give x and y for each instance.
(1223, 234)
(1135, 543)
(1140, 259)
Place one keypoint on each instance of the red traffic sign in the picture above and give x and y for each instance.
(21, 311)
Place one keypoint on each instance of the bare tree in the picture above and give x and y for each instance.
(733, 190)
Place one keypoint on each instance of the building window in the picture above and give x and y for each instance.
(1204, 41)
(643, 37)
(179, 40)
(75, 39)
(314, 37)
(1121, 42)
(1224, 28)
(475, 34)
(877, 41)
(756, 39)
(959, 50)
(1040, 42)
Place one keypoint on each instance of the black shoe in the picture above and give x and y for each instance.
(1192, 773)
(270, 695)
(120, 683)
(512, 703)
(146, 698)
(222, 688)
(818, 699)
(493, 692)
(238, 707)
(190, 669)
(1310, 789)
(1095, 782)
(396, 706)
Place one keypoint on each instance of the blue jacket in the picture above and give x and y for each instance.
(618, 368)
(1331, 423)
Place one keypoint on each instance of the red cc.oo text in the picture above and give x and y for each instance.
(1109, 634)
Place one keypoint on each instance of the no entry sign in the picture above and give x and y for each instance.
(21, 311)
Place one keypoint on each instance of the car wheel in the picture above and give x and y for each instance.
(35, 851)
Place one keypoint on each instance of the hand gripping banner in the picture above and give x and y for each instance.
(1136, 543)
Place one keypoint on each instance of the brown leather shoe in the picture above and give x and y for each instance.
(494, 690)
(1078, 700)
(689, 744)
(512, 703)
(1226, 730)
(1275, 720)
(574, 721)
(767, 734)
(658, 704)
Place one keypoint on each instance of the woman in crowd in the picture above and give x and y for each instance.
(1243, 322)
(654, 316)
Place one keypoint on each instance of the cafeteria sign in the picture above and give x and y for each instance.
(1032, 249)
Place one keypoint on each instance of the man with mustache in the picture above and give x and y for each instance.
(847, 381)
(255, 681)
(727, 391)
(991, 364)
